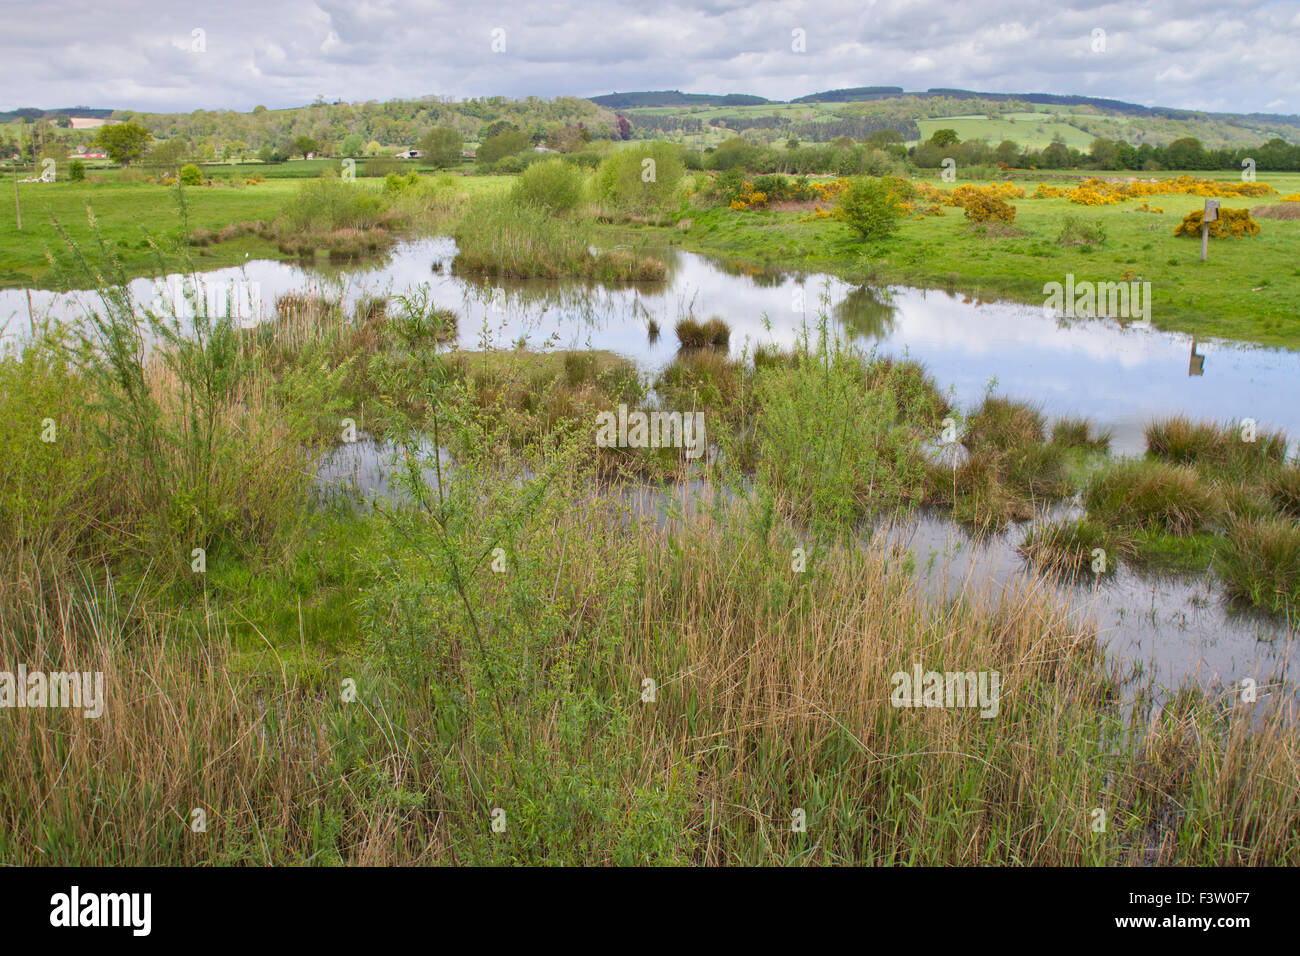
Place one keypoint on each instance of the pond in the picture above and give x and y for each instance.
(1176, 629)
(1119, 377)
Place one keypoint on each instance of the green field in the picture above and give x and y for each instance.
(127, 211)
(1033, 130)
(1246, 291)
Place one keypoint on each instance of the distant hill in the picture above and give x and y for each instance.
(851, 95)
(661, 98)
(35, 113)
(627, 101)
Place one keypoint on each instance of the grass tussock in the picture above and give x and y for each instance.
(1261, 564)
(1076, 550)
(693, 334)
(1230, 448)
(1152, 496)
(1283, 487)
(1078, 433)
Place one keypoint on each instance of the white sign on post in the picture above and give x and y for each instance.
(1210, 215)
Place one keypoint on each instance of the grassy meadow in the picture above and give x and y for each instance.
(1245, 290)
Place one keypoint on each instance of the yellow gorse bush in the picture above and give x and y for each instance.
(964, 193)
(981, 203)
(749, 198)
(1100, 192)
(1231, 222)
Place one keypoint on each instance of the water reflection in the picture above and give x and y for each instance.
(866, 313)
(1120, 376)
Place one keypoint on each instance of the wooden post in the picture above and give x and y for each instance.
(18, 209)
(1210, 215)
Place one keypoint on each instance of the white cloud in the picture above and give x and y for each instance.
(1184, 53)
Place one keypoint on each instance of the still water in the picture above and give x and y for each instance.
(1119, 377)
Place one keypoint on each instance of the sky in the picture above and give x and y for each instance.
(1241, 56)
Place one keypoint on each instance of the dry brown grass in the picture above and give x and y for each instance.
(1278, 211)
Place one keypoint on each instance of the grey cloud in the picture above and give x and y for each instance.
(136, 53)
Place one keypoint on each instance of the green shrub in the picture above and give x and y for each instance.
(328, 203)
(191, 175)
(640, 181)
(503, 144)
(1079, 231)
(77, 171)
(873, 206)
(829, 448)
(552, 184)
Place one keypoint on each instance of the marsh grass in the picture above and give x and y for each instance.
(1074, 432)
(1283, 488)
(1069, 549)
(500, 628)
(499, 237)
(1261, 564)
(1152, 496)
(1213, 447)
(342, 218)
(542, 714)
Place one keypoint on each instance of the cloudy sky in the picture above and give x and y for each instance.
(150, 55)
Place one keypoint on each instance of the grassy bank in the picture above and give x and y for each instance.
(232, 219)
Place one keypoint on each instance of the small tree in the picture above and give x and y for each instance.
(123, 142)
(503, 144)
(872, 206)
(191, 176)
(640, 180)
(441, 147)
(305, 145)
(76, 171)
